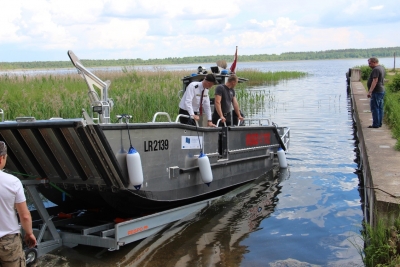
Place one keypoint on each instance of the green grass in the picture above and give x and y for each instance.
(140, 93)
(382, 244)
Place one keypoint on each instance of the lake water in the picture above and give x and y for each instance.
(308, 215)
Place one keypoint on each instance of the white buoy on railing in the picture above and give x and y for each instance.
(135, 170)
(205, 169)
(281, 158)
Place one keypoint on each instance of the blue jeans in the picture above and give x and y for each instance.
(377, 108)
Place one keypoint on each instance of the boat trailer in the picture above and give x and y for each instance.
(71, 230)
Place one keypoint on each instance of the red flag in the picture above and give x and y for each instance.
(233, 66)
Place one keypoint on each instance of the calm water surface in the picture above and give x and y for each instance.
(308, 215)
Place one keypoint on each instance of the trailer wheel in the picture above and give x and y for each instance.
(30, 255)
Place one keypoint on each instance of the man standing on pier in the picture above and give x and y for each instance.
(376, 91)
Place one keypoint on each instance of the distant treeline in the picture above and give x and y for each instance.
(318, 55)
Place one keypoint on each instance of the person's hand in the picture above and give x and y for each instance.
(369, 95)
(30, 240)
(240, 118)
(196, 117)
(223, 119)
(210, 124)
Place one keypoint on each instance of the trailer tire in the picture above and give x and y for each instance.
(31, 256)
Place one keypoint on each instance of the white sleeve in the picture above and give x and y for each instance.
(190, 93)
(206, 105)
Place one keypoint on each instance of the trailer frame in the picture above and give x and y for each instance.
(110, 235)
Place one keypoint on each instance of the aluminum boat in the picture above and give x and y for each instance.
(83, 162)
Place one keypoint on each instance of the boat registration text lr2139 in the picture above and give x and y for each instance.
(156, 145)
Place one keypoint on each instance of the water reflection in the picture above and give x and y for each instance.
(212, 237)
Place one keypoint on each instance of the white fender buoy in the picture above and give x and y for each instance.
(135, 170)
(283, 174)
(205, 169)
(281, 158)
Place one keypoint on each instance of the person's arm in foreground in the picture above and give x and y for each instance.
(236, 108)
(218, 108)
(26, 222)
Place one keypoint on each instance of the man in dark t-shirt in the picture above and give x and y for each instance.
(376, 91)
(224, 98)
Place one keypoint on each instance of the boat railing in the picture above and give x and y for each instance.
(2, 114)
(161, 114)
(124, 118)
(25, 119)
(284, 133)
(184, 116)
(249, 122)
(218, 123)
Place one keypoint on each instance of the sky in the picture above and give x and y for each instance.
(44, 30)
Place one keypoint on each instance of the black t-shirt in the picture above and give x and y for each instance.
(226, 97)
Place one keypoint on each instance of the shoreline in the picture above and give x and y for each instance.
(159, 64)
(379, 161)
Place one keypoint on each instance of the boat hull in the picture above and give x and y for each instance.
(84, 165)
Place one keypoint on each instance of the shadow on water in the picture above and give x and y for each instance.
(209, 238)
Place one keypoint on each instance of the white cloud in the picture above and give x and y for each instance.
(355, 7)
(272, 34)
(376, 7)
(35, 29)
(171, 9)
(74, 12)
(287, 25)
(115, 34)
(227, 26)
(8, 24)
(262, 24)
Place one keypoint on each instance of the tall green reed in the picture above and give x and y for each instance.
(257, 77)
(137, 92)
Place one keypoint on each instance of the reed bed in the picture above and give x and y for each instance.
(137, 92)
(257, 77)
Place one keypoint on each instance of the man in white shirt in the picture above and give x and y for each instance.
(12, 199)
(195, 100)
